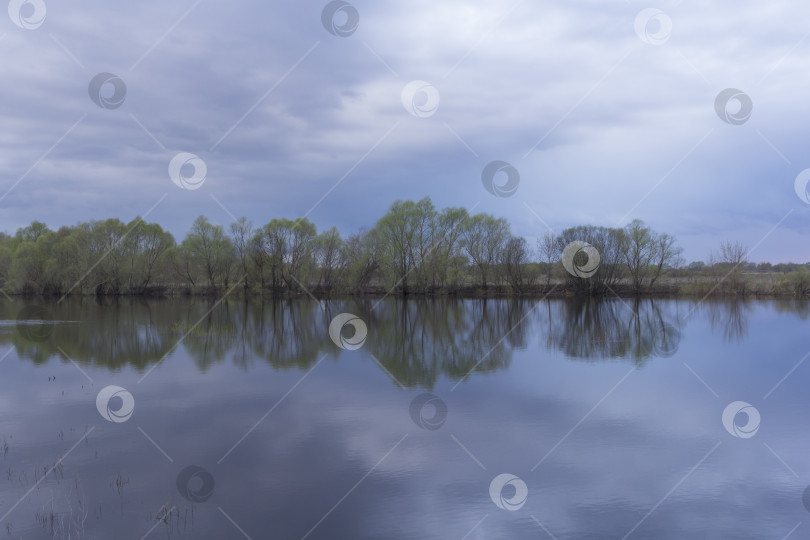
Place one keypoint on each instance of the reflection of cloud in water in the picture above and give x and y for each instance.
(338, 424)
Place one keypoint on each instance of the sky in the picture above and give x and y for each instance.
(601, 111)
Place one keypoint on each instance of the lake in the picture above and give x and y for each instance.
(443, 419)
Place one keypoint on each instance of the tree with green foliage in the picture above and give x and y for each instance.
(449, 261)
(288, 245)
(403, 234)
(327, 251)
(413, 247)
(484, 237)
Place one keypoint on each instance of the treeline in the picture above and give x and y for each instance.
(413, 249)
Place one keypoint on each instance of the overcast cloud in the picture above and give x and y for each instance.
(292, 120)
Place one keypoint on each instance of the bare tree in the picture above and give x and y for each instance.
(549, 249)
(609, 245)
(733, 257)
(638, 249)
(241, 234)
(513, 259)
(666, 255)
(361, 259)
(647, 254)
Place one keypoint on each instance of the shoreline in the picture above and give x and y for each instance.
(555, 291)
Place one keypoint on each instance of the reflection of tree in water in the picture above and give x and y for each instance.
(800, 307)
(729, 317)
(591, 328)
(287, 332)
(209, 331)
(109, 333)
(139, 332)
(417, 341)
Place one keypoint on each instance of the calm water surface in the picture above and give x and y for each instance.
(609, 413)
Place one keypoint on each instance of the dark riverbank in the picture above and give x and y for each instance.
(753, 286)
